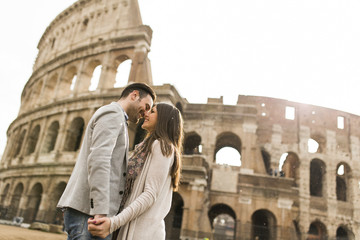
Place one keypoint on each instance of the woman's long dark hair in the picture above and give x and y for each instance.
(169, 132)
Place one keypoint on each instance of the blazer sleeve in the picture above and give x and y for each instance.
(106, 128)
(158, 172)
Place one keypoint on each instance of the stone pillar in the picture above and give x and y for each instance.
(248, 153)
(141, 70)
(108, 74)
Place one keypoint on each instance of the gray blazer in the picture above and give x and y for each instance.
(97, 182)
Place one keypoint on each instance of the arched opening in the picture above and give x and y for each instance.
(317, 231)
(317, 178)
(19, 143)
(173, 220)
(50, 139)
(49, 89)
(228, 156)
(67, 83)
(313, 146)
(222, 219)
(289, 165)
(15, 201)
(32, 140)
(74, 135)
(2, 200)
(192, 143)
(123, 73)
(34, 96)
(54, 214)
(342, 182)
(33, 203)
(317, 143)
(231, 154)
(94, 82)
(266, 159)
(343, 233)
(263, 225)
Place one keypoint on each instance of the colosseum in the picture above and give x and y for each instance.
(295, 174)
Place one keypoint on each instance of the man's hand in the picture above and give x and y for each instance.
(99, 226)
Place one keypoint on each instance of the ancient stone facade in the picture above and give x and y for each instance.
(310, 194)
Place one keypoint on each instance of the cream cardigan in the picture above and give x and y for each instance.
(149, 201)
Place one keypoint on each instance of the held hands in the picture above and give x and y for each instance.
(99, 226)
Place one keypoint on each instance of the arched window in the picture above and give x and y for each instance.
(3, 196)
(192, 143)
(173, 220)
(342, 180)
(49, 90)
(50, 139)
(313, 146)
(33, 203)
(74, 135)
(32, 140)
(222, 219)
(317, 177)
(289, 165)
(67, 83)
(94, 82)
(317, 231)
(15, 201)
(55, 215)
(343, 233)
(266, 159)
(263, 225)
(228, 149)
(19, 142)
(122, 74)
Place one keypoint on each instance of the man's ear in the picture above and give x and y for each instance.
(134, 94)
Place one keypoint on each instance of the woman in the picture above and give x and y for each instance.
(153, 174)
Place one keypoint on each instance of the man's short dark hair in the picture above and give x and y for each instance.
(143, 89)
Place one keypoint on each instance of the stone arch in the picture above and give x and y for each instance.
(317, 231)
(173, 220)
(74, 134)
(86, 76)
(15, 201)
(67, 82)
(267, 160)
(343, 176)
(19, 142)
(4, 193)
(123, 69)
(321, 140)
(94, 69)
(290, 167)
(317, 178)
(263, 224)
(33, 203)
(51, 136)
(32, 140)
(222, 219)
(54, 214)
(192, 142)
(34, 96)
(231, 141)
(343, 233)
(48, 92)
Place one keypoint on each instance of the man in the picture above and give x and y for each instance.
(97, 182)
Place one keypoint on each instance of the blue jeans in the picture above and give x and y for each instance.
(76, 226)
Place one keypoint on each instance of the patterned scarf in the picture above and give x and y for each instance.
(135, 165)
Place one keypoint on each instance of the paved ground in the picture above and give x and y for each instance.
(17, 233)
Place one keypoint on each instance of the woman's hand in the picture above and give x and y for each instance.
(99, 227)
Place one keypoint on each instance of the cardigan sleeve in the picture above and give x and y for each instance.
(158, 172)
(105, 131)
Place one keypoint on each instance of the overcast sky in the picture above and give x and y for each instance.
(301, 50)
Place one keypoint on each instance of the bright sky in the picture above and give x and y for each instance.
(305, 51)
